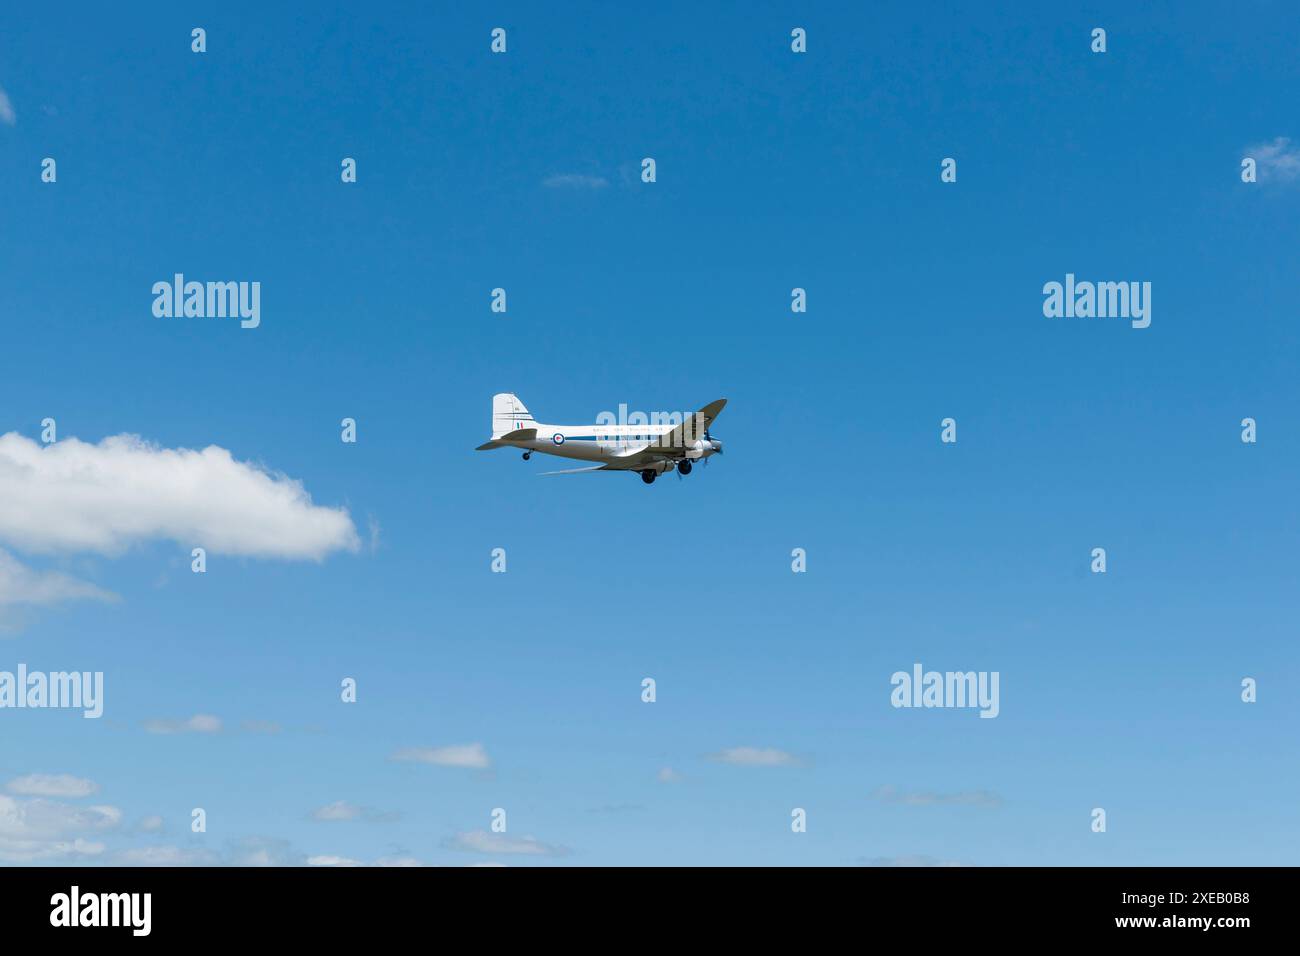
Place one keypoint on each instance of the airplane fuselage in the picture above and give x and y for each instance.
(602, 442)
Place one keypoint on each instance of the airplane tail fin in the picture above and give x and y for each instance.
(509, 414)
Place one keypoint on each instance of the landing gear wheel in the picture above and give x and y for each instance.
(685, 467)
(527, 455)
(648, 476)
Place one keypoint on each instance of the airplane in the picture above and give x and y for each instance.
(649, 450)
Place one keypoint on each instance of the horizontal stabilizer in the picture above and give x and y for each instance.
(519, 434)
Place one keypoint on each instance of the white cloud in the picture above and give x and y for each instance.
(52, 785)
(756, 757)
(481, 841)
(343, 810)
(7, 115)
(668, 775)
(20, 584)
(39, 829)
(150, 824)
(1278, 160)
(926, 798)
(338, 810)
(198, 724)
(472, 756)
(74, 496)
(575, 181)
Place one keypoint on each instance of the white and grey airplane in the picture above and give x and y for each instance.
(649, 450)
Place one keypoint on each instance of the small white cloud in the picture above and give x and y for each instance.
(668, 775)
(756, 757)
(343, 810)
(472, 756)
(481, 841)
(1278, 160)
(198, 724)
(575, 181)
(338, 810)
(7, 115)
(52, 785)
(263, 851)
(151, 824)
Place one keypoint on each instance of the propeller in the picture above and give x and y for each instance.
(717, 450)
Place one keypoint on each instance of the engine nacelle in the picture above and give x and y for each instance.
(660, 467)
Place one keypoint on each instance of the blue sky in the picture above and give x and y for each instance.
(774, 171)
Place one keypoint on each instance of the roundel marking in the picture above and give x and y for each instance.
(558, 439)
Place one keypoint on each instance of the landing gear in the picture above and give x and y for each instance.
(648, 476)
(527, 455)
(685, 467)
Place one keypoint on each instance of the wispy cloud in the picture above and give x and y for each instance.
(668, 775)
(198, 724)
(756, 757)
(248, 851)
(472, 756)
(481, 841)
(166, 855)
(52, 785)
(575, 181)
(927, 798)
(1278, 160)
(20, 584)
(7, 115)
(346, 861)
(341, 810)
(260, 727)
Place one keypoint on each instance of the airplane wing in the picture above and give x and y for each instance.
(671, 444)
(675, 441)
(519, 434)
(574, 471)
